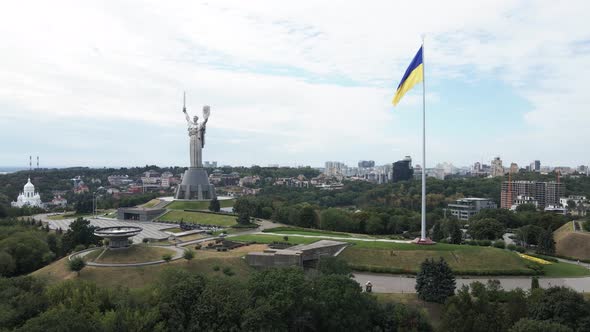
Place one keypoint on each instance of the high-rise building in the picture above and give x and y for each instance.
(402, 170)
(535, 166)
(335, 168)
(497, 168)
(513, 168)
(466, 208)
(545, 193)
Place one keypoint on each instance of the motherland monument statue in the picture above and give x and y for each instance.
(195, 182)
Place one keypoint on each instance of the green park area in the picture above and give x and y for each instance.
(405, 258)
(151, 203)
(202, 218)
(307, 231)
(133, 254)
(200, 205)
(211, 264)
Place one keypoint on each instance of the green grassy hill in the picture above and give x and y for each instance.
(388, 257)
(208, 263)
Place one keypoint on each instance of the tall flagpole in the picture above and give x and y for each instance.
(423, 233)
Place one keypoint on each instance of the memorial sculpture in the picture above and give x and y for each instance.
(195, 182)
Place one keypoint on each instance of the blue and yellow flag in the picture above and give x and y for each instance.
(414, 74)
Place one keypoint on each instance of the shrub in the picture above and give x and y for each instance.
(471, 242)
(167, 257)
(511, 246)
(215, 267)
(500, 244)
(547, 258)
(79, 247)
(520, 249)
(92, 246)
(145, 240)
(198, 247)
(210, 244)
(484, 243)
(228, 271)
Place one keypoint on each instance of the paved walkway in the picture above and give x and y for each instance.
(152, 230)
(177, 255)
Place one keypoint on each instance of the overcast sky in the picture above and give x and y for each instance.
(100, 83)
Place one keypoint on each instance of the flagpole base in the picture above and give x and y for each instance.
(425, 241)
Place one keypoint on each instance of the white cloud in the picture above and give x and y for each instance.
(271, 68)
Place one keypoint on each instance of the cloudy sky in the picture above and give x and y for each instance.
(100, 83)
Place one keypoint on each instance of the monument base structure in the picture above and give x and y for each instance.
(425, 241)
(195, 185)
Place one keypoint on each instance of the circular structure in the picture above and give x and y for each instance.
(118, 236)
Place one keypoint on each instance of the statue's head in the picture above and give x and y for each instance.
(195, 118)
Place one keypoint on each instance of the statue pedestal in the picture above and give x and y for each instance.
(195, 185)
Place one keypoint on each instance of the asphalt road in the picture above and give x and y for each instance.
(387, 283)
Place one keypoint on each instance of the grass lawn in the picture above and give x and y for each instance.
(173, 230)
(565, 270)
(463, 260)
(133, 254)
(406, 257)
(304, 231)
(192, 237)
(272, 238)
(151, 203)
(199, 218)
(136, 277)
(200, 205)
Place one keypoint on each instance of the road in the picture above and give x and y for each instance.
(387, 283)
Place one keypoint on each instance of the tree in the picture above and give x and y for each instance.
(435, 281)
(243, 218)
(7, 264)
(526, 208)
(167, 258)
(534, 282)
(529, 325)
(559, 305)
(334, 265)
(28, 250)
(188, 255)
(455, 232)
(214, 205)
(437, 232)
(546, 243)
(486, 229)
(76, 264)
(529, 234)
(178, 297)
(80, 232)
(307, 217)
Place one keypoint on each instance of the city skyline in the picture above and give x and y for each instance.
(290, 84)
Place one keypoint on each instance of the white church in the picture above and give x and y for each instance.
(28, 196)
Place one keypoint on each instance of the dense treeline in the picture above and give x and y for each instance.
(27, 245)
(486, 308)
(272, 300)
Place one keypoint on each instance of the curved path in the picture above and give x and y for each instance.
(177, 255)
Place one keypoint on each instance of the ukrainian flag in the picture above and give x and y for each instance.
(414, 74)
